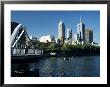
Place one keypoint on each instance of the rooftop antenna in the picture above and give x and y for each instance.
(60, 20)
(80, 19)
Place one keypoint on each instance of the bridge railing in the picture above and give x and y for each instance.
(24, 51)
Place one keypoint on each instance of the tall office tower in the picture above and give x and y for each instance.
(69, 36)
(81, 31)
(61, 32)
(75, 37)
(69, 33)
(88, 36)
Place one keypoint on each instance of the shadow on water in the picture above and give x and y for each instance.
(23, 70)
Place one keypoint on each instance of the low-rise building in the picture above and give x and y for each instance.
(33, 38)
(47, 38)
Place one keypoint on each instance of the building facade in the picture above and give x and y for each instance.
(69, 33)
(69, 36)
(81, 31)
(61, 32)
(47, 38)
(33, 38)
(88, 36)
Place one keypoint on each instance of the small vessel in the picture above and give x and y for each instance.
(69, 58)
(66, 58)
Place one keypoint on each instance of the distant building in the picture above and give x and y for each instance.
(57, 41)
(69, 33)
(95, 44)
(69, 36)
(33, 38)
(74, 40)
(75, 37)
(61, 32)
(88, 36)
(47, 39)
(80, 31)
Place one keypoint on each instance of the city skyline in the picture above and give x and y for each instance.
(50, 19)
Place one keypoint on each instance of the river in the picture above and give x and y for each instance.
(83, 66)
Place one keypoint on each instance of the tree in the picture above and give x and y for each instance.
(66, 48)
(53, 47)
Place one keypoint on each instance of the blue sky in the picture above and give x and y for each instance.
(39, 23)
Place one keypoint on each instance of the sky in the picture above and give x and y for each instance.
(40, 23)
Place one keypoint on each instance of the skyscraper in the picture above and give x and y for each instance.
(88, 36)
(80, 31)
(69, 36)
(69, 33)
(61, 32)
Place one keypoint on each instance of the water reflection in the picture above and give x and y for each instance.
(60, 67)
(23, 70)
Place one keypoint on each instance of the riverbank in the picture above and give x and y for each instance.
(42, 56)
(47, 55)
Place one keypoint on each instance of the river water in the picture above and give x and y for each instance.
(86, 66)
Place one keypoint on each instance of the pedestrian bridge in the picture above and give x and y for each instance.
(20, 42)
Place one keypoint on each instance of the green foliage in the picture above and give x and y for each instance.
(78, 49)
(53, 47)
(66, 48)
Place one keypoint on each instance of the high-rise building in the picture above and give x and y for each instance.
(80, 31)
(61, 32)
(69, 36)
(75, 37)
(88, 36)
(69, 33)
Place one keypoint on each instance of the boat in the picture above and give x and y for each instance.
(66, 58)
